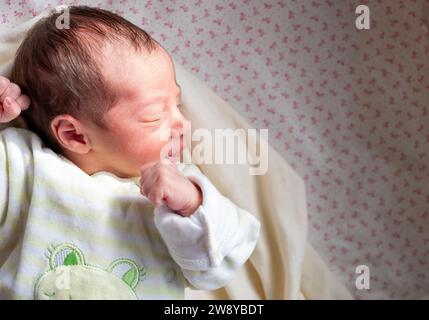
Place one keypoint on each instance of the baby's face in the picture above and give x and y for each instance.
(147, 109)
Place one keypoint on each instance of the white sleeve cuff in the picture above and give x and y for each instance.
(202, 241)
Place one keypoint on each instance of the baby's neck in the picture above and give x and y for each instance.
(90, 166)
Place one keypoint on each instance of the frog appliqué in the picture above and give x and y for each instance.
(70, 278)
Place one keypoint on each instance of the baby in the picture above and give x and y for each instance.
(94, 202)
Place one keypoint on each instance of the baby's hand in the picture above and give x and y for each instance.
(12, 102)
(162, 183)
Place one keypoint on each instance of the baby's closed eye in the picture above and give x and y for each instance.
(153, 118)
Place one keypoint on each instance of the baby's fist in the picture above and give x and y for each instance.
(162, 183)
(12, 102)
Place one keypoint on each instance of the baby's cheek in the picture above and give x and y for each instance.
(143, 146)
(165, 151)
(153, 149)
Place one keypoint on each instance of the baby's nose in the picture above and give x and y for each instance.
(179, 122)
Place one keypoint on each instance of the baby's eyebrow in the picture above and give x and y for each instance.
(178, 99)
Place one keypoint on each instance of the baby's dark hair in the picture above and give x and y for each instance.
(59, 69)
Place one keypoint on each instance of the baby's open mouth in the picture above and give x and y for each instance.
(177, 146)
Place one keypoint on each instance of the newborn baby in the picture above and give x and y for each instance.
(94, 201)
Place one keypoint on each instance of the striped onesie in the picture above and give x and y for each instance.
(67, 235)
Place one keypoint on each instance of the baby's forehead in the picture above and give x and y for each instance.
(137, 75)
(118, 68)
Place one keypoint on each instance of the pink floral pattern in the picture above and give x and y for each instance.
(348, 109)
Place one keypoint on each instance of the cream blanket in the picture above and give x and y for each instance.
(284, 265)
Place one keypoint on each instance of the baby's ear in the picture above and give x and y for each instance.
(66, 254)
(70, 133)
(128, 271)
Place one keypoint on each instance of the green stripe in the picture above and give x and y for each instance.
(94, 237)
(81, 210)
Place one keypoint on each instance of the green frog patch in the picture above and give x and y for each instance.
(70, 278)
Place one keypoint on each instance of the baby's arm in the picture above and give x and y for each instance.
(214, 242)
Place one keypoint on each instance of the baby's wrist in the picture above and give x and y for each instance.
(198, 200)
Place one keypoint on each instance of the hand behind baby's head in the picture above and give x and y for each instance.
(12, 102)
